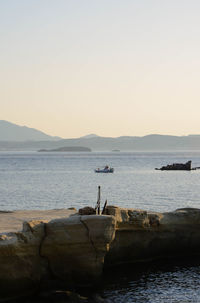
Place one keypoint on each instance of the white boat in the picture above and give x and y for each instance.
(106, 169)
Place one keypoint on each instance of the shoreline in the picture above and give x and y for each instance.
(71, 248)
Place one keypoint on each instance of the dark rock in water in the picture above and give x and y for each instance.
(177, 166)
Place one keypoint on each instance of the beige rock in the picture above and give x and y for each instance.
(76, 247)
(128, 218)
(144, 236)
(20, 263)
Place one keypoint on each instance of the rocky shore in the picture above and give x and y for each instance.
(61, 247)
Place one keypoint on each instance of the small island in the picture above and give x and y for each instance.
(67, 149)
(177, 166)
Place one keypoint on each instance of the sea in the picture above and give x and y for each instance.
(56, 180)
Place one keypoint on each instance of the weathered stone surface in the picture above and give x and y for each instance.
(87, 211)
(73, 250)
(128, 218)
(76, 247)
(20, 263)
(153, 235)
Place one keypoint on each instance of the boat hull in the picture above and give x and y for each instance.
(105, 171)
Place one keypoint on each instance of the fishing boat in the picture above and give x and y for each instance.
(106, 169)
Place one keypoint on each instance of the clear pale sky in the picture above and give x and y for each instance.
(110, 67)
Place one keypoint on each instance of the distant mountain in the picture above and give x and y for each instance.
(194, 135)
(146, 143)
(89, 136)
(13, 132)
(15, 137)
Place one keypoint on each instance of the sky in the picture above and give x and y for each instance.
(72, 67)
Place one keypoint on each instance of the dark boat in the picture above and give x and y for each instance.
(106, 169)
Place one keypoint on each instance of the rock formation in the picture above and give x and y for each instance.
(87, 211)
(177, 166)
(74, 250)
(21, 265)
(67, 249)
(75, 247)
(142, 235)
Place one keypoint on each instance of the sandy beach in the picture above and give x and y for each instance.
(13, 221)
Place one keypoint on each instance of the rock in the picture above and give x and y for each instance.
(154, 220)
(128, 218)
(21, 265)
(75, 247)
(72, 208)
(153, 236)
(73, 251)
(87, 211)
(177, 166)
(70, 250)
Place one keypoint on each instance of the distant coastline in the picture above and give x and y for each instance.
(67, 149)
(21, 138)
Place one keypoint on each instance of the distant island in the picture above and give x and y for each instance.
(67, 149)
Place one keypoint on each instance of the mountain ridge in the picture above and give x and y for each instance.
(12, 132)
(151, 142)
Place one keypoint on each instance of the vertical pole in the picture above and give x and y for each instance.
(99, 200)
(104, 208)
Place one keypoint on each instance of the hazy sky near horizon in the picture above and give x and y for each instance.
(110, 67)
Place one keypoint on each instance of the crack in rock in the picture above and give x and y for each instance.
(88, 234)
(48, 268)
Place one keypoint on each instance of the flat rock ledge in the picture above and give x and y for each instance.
(72, 249)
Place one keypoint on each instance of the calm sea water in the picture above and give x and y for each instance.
(32, 180)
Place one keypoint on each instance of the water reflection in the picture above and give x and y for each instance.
(154, 283)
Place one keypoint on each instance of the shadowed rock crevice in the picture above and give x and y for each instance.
(21, 266)
(47, 271)
(89, 238)
(76, 246)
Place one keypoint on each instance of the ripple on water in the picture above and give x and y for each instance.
(156, 284)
